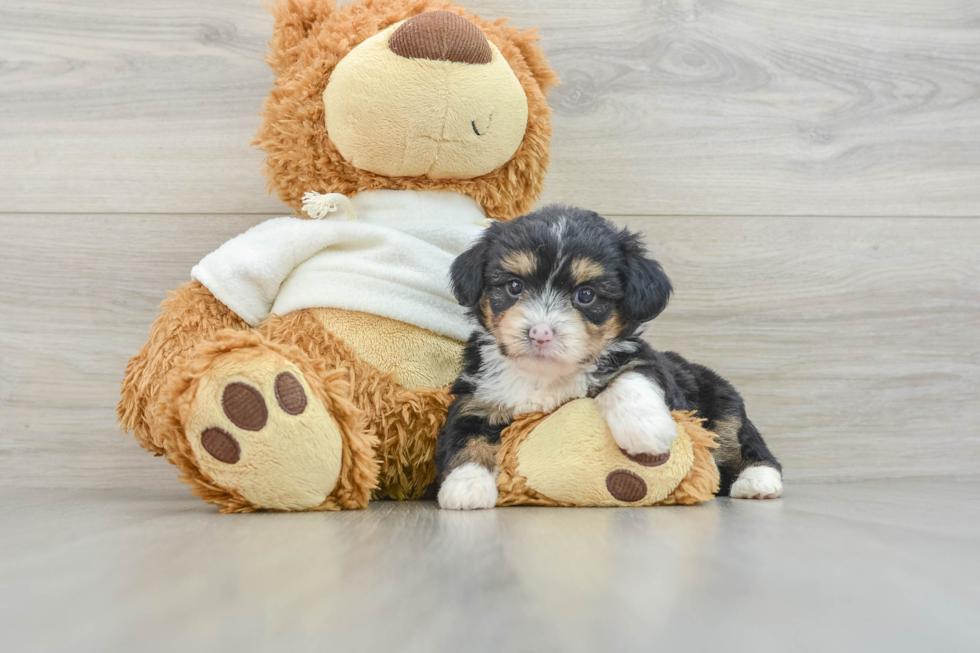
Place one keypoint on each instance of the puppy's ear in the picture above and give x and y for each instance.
(647, 288)
(466, 273)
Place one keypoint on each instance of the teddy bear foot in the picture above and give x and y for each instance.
(257, 430)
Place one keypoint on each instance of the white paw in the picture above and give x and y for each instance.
(643, 431)
(760, 482)
(468, 487)
(634, 408)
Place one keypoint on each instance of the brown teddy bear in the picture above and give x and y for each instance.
(306, 365)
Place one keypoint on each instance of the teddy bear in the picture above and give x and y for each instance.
(306, 365)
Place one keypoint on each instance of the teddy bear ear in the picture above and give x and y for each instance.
(534, 57)
(294, 20)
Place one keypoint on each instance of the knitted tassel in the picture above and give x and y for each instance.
(319, 206)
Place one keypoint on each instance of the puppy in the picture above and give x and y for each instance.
(559, 299)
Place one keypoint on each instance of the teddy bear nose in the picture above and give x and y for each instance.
(441, 36)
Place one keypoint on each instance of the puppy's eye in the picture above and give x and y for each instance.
(515, 287)
(585, 296)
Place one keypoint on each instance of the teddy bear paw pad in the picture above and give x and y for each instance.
(626, 486)
(244, 406)
(647, 459)
(257, 429)
(221, 445)
(289, 394)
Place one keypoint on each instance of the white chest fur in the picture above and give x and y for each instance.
(504, 384)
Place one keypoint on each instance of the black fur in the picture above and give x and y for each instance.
(466, 273)
(646, 288)
(634, 290)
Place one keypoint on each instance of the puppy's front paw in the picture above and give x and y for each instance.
(635, 411)
(760, 482)
(468, 487)
(642, 431)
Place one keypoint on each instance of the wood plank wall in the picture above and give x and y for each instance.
(808, 173)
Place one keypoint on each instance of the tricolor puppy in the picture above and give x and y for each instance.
(559, 299)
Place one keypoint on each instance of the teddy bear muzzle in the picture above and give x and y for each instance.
(428, 97)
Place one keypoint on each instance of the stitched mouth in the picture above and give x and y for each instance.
(486, 129)
(476, 130)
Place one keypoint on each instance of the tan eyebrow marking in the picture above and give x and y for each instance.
(520, 262)
(585, 269)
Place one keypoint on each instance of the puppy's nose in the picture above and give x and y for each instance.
(541, 334)
(440, 36)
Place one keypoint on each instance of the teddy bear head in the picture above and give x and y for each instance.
(405, 95)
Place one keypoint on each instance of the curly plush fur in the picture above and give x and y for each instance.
(312, 36)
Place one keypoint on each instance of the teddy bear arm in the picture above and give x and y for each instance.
(189, 316)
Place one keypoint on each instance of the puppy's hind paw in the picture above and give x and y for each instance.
(759, 482)
(468, 487)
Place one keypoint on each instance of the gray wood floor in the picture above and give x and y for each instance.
(874, 566)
